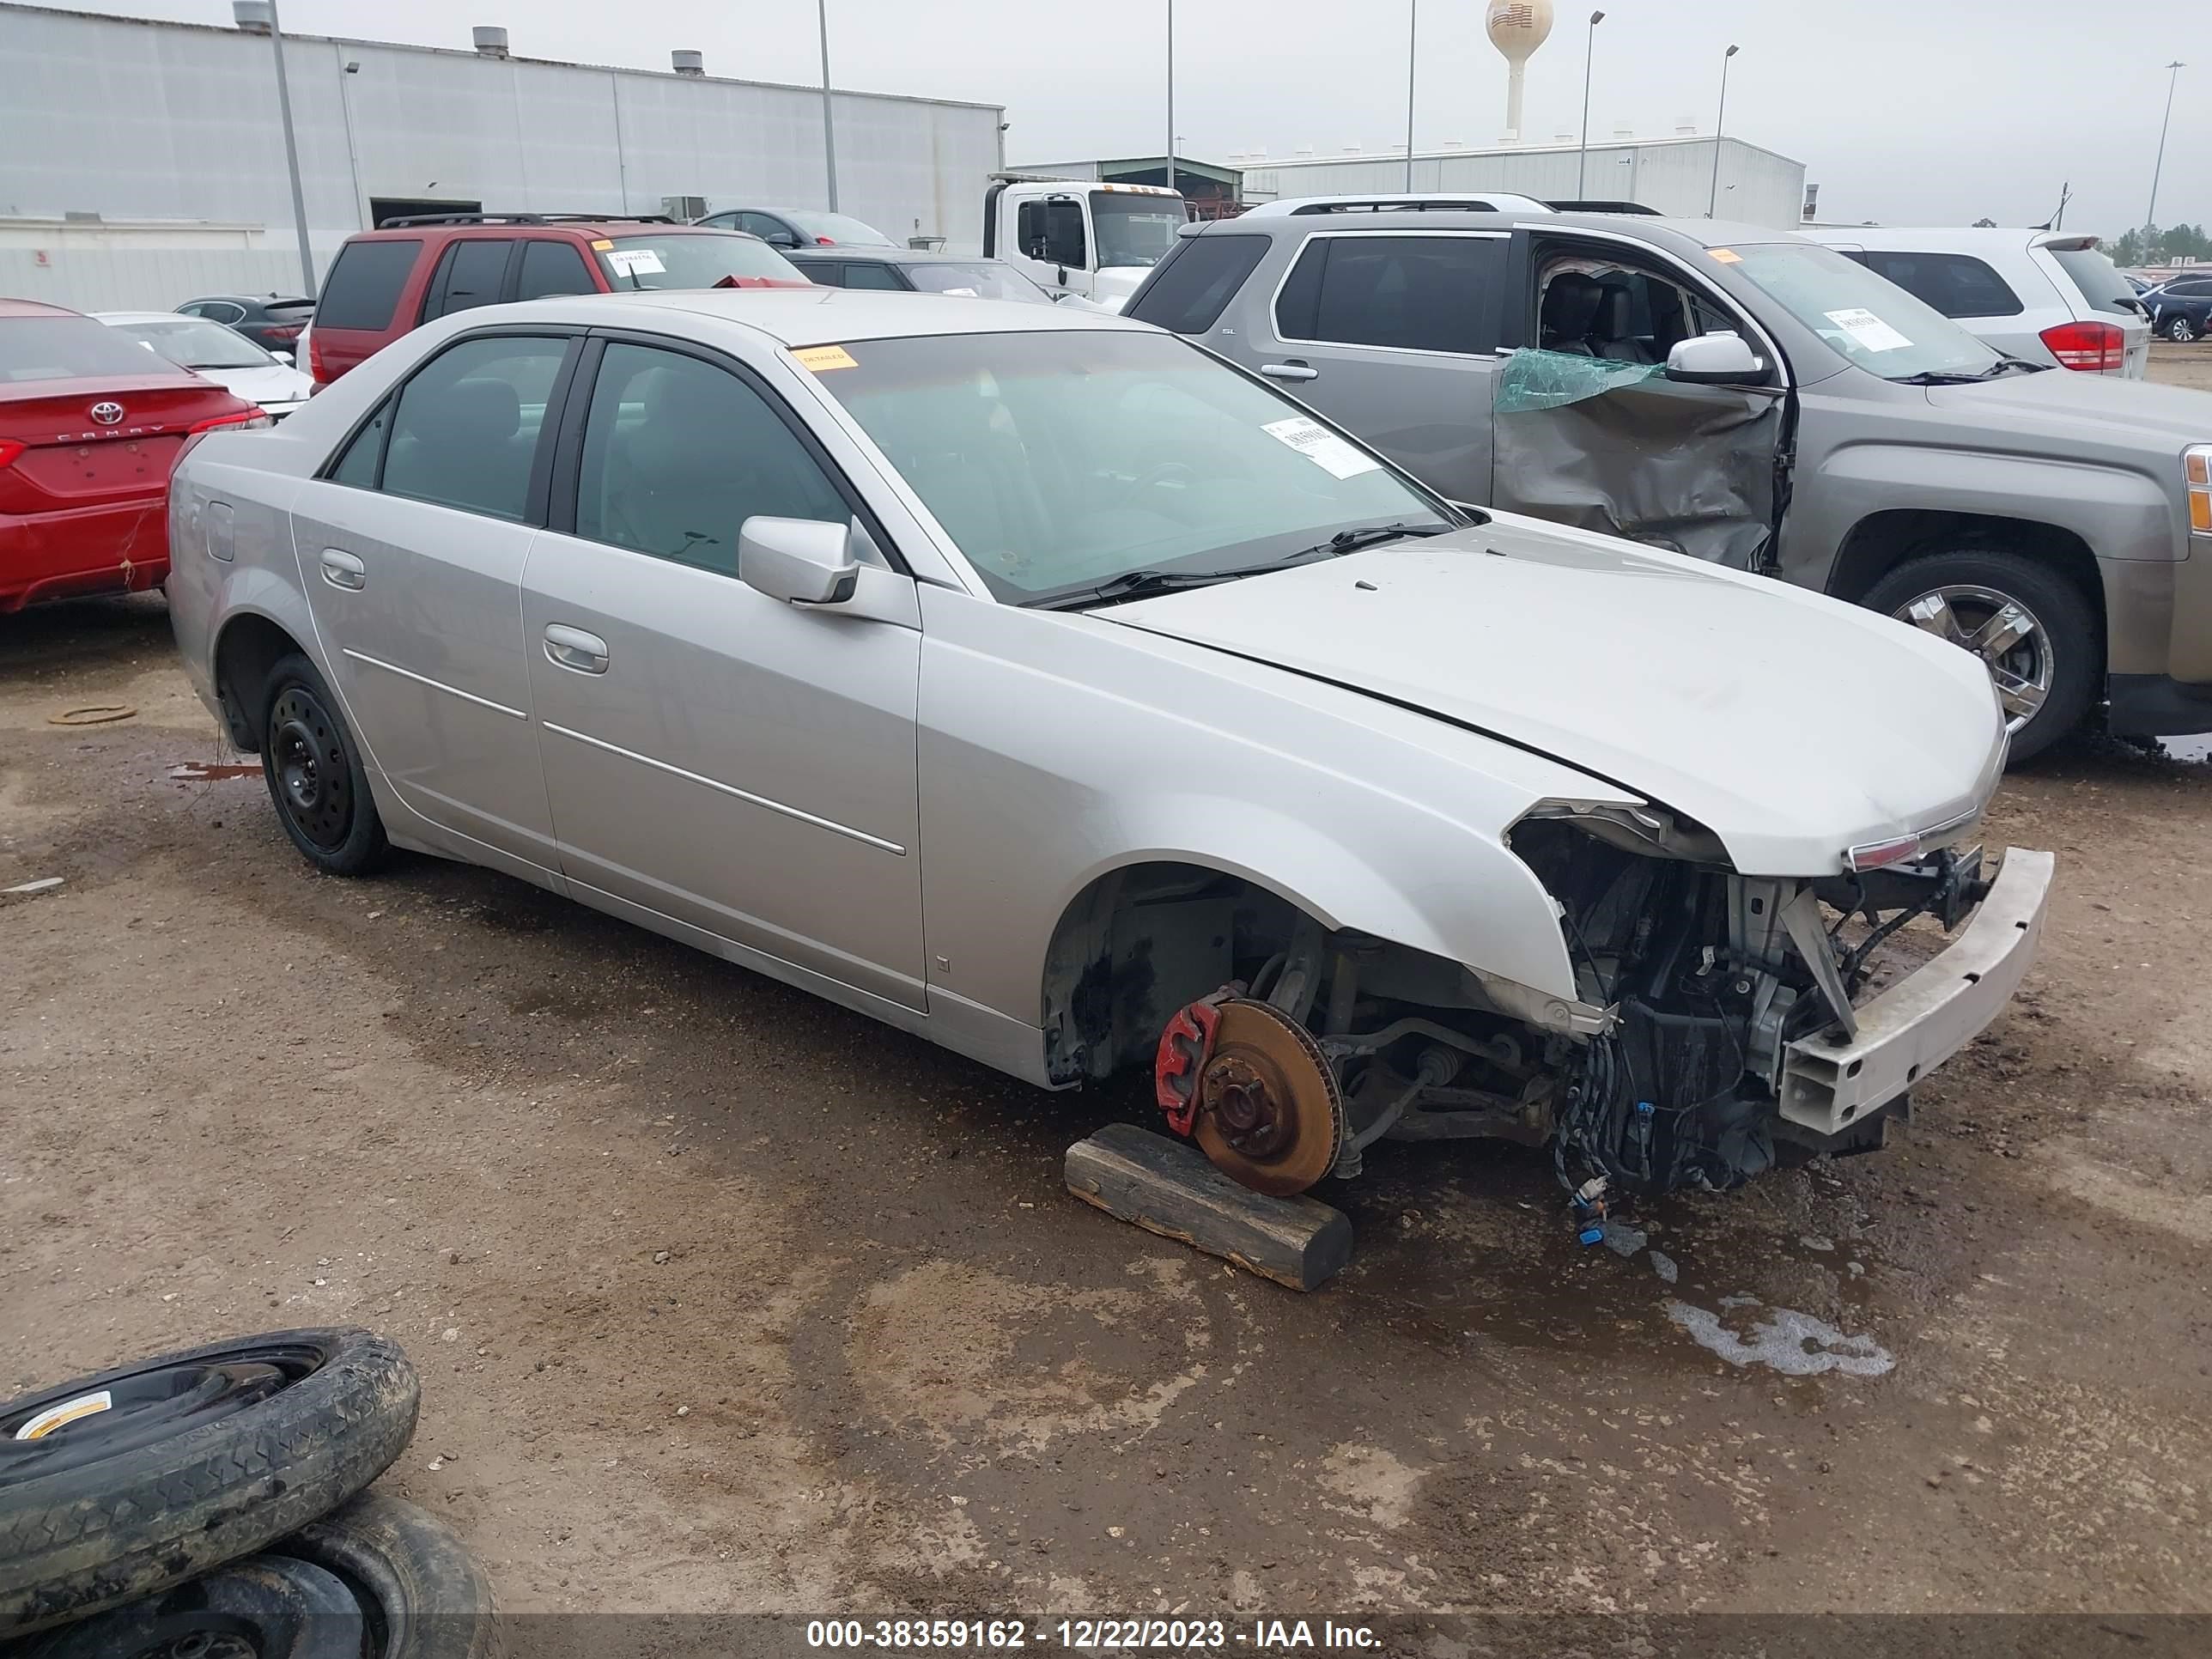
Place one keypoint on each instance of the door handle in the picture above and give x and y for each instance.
(573, 649)
(1290, 371)
(343, 570)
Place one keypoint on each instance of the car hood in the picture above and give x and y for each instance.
(2062, 404)
(271, 383)
(1792, 725)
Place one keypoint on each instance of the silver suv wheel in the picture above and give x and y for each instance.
(2007, 637)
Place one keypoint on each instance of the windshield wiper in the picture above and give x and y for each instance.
(1944, 377)
(1373, 535)
(1142, 584)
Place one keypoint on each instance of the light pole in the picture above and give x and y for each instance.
(292, 157)
(1590, 50)
(1712, 205)
(829, 126)
(1170, 94)
(2173, 78)
(1413, 34)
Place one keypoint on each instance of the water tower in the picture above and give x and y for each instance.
(1517, 28)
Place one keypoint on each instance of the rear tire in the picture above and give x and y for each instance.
(315, 774)
(2049, 678)
(2181, 330)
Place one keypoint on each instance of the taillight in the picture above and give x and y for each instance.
(246, 420)
(9, 449)
(2097, 348)
(318, 370)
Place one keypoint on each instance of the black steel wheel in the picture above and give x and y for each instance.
(265, 1606)
(120, 1485)
(315, 774)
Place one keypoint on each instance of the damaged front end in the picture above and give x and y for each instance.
(1738, 1002)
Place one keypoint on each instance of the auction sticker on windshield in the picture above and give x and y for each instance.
(1322, 446)
(819, 358)
(1868, 329)
(629, 261)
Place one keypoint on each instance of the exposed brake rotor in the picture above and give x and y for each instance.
(1269, 1113)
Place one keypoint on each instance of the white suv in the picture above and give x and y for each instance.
(2041, 295)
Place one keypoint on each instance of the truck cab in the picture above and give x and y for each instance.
(1079, 236)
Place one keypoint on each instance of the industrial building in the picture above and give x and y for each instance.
(1673, 175)
(141, 162)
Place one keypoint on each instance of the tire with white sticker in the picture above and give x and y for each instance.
(116, 1486)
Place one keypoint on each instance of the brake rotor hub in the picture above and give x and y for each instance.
(1266, 1109)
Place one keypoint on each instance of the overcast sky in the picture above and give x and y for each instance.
(1914, 112)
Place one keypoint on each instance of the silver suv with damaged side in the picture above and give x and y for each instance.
(1754, 399)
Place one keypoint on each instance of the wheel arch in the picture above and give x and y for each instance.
(250, 643)
(1881, 542)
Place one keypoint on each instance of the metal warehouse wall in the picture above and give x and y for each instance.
(1673, 175)
(139, 120)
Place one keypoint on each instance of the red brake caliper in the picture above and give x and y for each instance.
(1185, 1047)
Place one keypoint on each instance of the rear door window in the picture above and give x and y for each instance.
(363, 286)
(549, 267)
(470, 274)
(1416, 293)
(466, 430)
(1196, 281)
(864, 273)
(2100, 280)
(1955, 284)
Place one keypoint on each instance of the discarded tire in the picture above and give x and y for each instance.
(422, 1593)
(270, 1606)
(116, 1487)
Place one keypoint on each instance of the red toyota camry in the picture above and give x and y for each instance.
(91, 422)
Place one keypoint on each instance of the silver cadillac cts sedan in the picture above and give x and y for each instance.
(1038, 682)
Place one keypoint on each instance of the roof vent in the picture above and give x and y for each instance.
(252, 15)
(1351, 150)
(490, 40)
(688, 63)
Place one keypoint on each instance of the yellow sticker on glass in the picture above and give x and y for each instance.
(819, 358)
(1727, 256)
(602, 245)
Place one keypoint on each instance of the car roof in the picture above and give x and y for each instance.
(1677, 232)
(905, 256)
(34, 309)
(1937, 238)
(251, 299)
(586, 228)
(792, 317)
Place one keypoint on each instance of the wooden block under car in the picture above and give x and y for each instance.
(1167, 1187)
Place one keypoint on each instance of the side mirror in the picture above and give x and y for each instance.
(780, 238)
(281, 356)
(1723, 359)
(798, 561)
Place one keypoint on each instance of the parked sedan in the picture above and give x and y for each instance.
(790, 228)
(90, 425)
(1038, 683)
(964, 276)
(217, 352)
(272, 321)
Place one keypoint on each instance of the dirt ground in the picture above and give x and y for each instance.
(725, 1299)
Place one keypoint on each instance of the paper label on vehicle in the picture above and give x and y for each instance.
(1322, 446)
(1727, 256)
(819, 358)
(1868, 329)
(636, 261)
(965, 293)
(85, 1405)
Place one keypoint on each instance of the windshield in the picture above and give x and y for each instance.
(1866, 318)
(984, 279)
(693, 258)
(838, 228)
(70, 348)
(1059, 460)
(195, 342)
(2099, 279)
(1134, 230)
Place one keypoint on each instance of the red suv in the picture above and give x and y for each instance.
(91, 424)
(390, 281)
